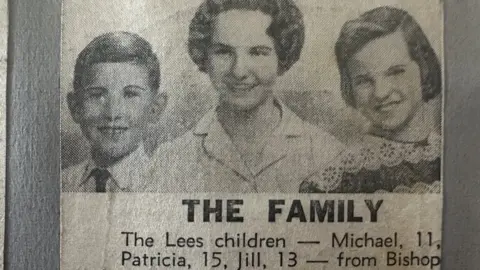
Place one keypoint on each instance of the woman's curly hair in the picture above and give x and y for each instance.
(287, 28)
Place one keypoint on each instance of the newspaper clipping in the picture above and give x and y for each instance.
(252, 134)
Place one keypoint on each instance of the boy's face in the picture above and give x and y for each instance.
(113, 107)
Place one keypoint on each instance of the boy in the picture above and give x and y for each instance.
(115, 97)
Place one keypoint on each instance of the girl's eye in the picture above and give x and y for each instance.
(362, 80)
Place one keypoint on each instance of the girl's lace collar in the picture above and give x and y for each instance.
(379, 151)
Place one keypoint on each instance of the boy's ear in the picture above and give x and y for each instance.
(158, 107)
(74, 106)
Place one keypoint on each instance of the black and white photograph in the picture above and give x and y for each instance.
(251, 134)
(267, 96)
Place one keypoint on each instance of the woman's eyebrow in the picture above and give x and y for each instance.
(263, 47)
(397, 66)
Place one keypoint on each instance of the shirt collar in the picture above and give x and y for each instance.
(125, 173)
(290, 124)
(218, 145)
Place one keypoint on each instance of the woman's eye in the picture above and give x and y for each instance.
(260, 52)
(396, 71)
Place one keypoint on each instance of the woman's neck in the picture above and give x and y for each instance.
(249, 124)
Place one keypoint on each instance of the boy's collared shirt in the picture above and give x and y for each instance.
(206, 160)
(128, 175)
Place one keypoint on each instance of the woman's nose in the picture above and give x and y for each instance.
(240, 66)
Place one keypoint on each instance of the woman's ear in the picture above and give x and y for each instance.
(158, 107)
(74, 106)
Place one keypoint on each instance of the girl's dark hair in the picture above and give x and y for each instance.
(380, 22)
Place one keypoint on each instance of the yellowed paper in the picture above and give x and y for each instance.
(235, 134)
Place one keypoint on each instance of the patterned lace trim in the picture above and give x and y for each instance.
(386, 153)
(390, 154)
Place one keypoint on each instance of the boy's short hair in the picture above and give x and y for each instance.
(379, 22)
(287, 28)
(118, 47)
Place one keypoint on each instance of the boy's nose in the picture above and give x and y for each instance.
(114, 109)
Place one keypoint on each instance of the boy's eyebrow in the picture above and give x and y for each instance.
(94, 88)
(134, 86)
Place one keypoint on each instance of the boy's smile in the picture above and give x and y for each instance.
(113, 108)
(114, 132)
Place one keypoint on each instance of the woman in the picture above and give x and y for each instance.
(390, 73)
(250, 142)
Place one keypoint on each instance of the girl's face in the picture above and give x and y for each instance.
(386, 82)
(242, 62)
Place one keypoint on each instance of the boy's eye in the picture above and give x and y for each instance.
(260, 51)
(132, 91)
(94, 93)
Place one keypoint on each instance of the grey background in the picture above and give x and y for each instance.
(33, 163)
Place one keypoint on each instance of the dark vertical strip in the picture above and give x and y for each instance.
(461, 231)
(33, 136)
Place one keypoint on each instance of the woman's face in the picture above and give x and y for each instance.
(386, 82)
(242, 62)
